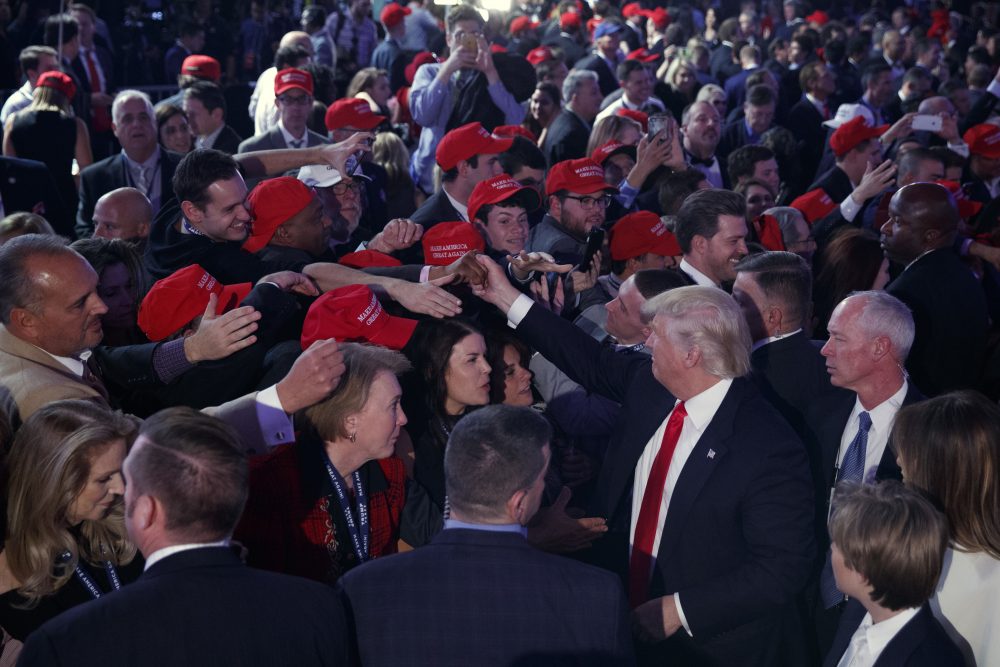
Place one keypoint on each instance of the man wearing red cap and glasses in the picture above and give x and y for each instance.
(293, 92)
(435, 86)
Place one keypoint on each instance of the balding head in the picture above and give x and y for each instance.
(124, 213)
(922, 217)
(297, 38)
(937, 105)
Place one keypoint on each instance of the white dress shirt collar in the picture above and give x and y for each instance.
(160, 554)
(289, 137)
(870, 639)
(463, 209)
(697, 276)
(766, 341)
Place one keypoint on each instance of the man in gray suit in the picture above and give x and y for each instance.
(293, 90)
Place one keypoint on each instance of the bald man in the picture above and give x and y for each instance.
(124, 213)
(948, 303)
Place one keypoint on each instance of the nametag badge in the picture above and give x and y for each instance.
(711, 453)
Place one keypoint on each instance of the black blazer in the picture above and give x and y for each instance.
(485, 598)
(27, 185)
(607, 80)
(737, 542)
(110, 174)
(922, 642)
(566, 138)
(199, 607)
(436, 208)
(806, 123)
(228, 141)
(951, 319)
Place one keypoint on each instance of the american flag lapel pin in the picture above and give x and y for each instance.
(711, 453)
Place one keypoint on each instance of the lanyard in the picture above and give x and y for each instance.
(88, 581)
(359, 529)
(131, 181)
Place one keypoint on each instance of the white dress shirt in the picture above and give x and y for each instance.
(883, 415)
(697, 276)
(463, 209)
(289, 138)
(870, 639)
(160, 554)
(154, 188)
(209, 139)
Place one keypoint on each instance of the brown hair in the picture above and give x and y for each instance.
(950, 449)
(893, 537)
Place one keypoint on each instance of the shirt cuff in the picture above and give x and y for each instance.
(959, 148)
(275, 424)
(849, 208)
(994, 88)
(522, 304)
(425, 274)
(626, 193)
(680, 614)
(963, 249)
(169, 361)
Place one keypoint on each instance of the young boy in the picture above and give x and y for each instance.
(888, 543)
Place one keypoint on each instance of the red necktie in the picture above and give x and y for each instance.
(649, 513)
(102, 116)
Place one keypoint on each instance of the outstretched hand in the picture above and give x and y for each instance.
(553, 529)
(219, 336)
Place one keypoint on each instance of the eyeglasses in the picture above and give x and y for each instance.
(298, 100)
(342, 187)
(589, 203)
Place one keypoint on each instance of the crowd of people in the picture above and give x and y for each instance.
(657, 334)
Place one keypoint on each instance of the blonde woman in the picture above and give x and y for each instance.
(48, 132)
(66, 542)
(678, 87)
(619, 128)
(402, 197)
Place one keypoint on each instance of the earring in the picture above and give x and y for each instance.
(354, 437)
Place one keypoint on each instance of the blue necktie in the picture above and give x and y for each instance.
(852, 469)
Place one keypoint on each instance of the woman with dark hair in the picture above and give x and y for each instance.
(173, 130)
(66, 541)
(543, 107)
(121, 284)
(852, 261)
(372, 85)
(332, 499)
(510, 379)
(949, 448)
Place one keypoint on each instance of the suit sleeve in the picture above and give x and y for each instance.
(88, 199)
(777, 521)
(598, 369)
(38, 651)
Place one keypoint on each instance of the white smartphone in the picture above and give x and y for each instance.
(926, 121)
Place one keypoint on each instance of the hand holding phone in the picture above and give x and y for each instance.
(927, 122)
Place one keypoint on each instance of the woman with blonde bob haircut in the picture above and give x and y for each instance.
(66, 541)
(949, 448)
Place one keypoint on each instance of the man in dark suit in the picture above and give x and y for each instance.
(948, 303)
(566, 138)
(186, 484)
(774, 291)
(870, 337)
(606, 56)
(805, 120)
(494, 597)
(736, 85)
(205, 106)
(758, 119)
(142, 164)
(62, 33)
(711, 229)
(704, 483)
(27, 185)
(93, 64)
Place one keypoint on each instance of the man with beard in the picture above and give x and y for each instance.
(700, 127)
(711, 229)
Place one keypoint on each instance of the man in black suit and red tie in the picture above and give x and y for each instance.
(706, 489)
(479, 593)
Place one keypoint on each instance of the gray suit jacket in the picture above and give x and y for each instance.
(31, 378)
(273, 139)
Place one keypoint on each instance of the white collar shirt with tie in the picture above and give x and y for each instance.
(145, 177)
(290, 140)
(883, 415)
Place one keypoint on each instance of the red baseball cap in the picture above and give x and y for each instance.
(57, 80)
(203, 67)
(498, 48)
(852, 133)
(819, 17)
(511, 131)
(464, 142)
(173, 302)
(498, 189)
(640, 117)
(633, 9)
(539, 55)
(570, 20)
(354, 314)
(983, 139)
(643, 55)
(522, 23)
(583, 176)
(659, 17)
(447, 241)
(613, 147)
(814, 205)
(272, 203)
(291, 78)
(364, 258)
(422, 58)
(967, 208)
(639, 233)
(352, 112)
(393, 14)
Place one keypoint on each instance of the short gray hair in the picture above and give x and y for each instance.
(710, 319)
(124, 96)
(573, 81)
(885, 315)
(786, 217)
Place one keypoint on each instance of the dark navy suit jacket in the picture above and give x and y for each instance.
(199, 607)
(473, 597)
(737, 542)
